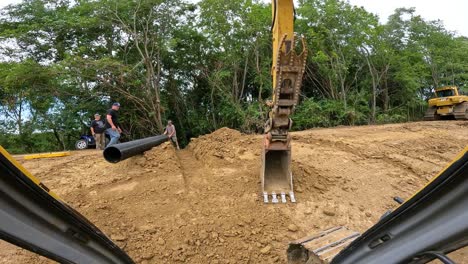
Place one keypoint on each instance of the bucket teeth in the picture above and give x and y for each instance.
(283, 197)
(275, 197)
(291, 196)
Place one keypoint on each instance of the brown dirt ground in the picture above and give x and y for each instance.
(202, 204)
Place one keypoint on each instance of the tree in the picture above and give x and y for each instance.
(207, 65)
(336, 31)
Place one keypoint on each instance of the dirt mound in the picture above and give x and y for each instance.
(157, 157)
(88, 169)
(202, 204)
(225, 145)
(163, 157)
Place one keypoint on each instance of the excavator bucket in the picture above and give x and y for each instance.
(287, 70)
(320, 248)
(276, 173)
(276, 176)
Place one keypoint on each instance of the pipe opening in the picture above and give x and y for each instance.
(112, 154)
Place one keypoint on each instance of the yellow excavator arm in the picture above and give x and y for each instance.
(287, 70)
(282, 25)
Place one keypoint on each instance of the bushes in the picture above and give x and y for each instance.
(390, 118)
(327, 113)
(254, 120)
(33, 143)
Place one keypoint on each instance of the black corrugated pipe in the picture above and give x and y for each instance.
(119, 152)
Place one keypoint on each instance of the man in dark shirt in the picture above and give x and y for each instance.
(112, 124)
(97, 130)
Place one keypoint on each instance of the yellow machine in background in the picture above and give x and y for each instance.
(287, 70)
(47, 155)
(448, 102)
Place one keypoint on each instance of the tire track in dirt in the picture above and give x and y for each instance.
(365, 155)
(408, 160)
(191, 170)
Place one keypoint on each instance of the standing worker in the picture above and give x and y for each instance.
(171, 133)
(112, 124)
(97, 130)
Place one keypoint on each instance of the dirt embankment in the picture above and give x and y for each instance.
(202, 204)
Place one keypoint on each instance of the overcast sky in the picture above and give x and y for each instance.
(454, 13)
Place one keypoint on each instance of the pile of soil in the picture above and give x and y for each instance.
(202, 204)
(225, 145)
(162, 157)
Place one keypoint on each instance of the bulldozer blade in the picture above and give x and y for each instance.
(277, 177)
(320, 248)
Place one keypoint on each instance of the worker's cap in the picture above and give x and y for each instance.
(116, 104)
(96, 114)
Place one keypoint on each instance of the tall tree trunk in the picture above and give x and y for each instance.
(343, 94)
(259, 72)
(59, 140)
(157, 92)
(213, 107)
(175, 99)
(434, 75)
(386, 102)
(244, 77)
(235, 84)
(374, 90)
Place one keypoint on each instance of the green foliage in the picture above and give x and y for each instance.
(309, 114)
(36, 142)
(327, 113)
(207, 65)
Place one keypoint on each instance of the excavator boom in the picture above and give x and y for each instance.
(287, 70)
